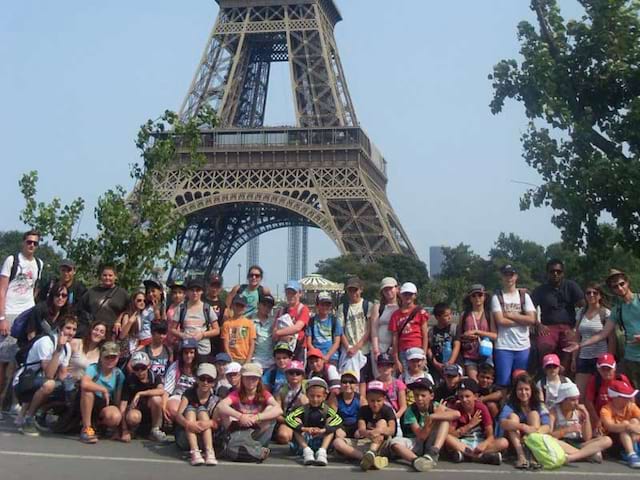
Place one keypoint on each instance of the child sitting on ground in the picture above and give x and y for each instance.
(489, 393)
(376, 426)
(571, 425)
(347, 404)
(596, 395)
(621, 420)
(425, 428)
(471, 436)
(416, 369)
(314, 424)
(290, 397)
(549, 385)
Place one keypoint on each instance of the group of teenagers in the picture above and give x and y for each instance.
(371, 380)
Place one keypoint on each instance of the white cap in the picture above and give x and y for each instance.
(408, 287)
(388, 282)
(567, 390)
(415, 353)
(233, 367)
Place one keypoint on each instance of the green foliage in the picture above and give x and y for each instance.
(11, 242)
(134, 231)
(579, 84)
(401, 267)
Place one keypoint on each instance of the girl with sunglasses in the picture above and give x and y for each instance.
(195, 415)
(46, 313)
(475, 325)
(132, 324)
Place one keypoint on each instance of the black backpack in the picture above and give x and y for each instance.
(16, 265)
(206, 311)
(345, 308)
(312, 322)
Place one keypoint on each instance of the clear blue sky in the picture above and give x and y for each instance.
(78, 77)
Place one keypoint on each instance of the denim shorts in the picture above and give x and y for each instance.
(196, 410)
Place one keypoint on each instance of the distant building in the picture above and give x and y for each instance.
(436, 259)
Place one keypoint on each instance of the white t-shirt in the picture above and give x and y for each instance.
(43, 350)
(20, 290)
(356, 324)
(385, 337)
(516, 337)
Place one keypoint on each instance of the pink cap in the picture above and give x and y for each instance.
(295, 365)
(606, 360)
(375, 386)
(550, 359)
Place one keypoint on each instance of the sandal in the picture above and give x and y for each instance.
(523, 465)
(533, 465)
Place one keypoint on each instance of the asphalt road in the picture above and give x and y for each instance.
(62, 457)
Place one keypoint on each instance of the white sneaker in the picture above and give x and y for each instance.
(15, 410)
(307, 456)
(321, 458)
(158, 435)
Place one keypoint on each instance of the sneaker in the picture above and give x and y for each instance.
(321, 458)
(422, 464)
(380, 462)
(158, 435)
(196, 458)
(210, 458)
(18, 421)
(15, 410)
(633, 460)
(368, 460)
(596, 458)
(491, 458)
(307, 456)
(29, 427)
(457, 457)
(88, 435)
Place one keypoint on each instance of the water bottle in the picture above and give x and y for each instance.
(446, 351)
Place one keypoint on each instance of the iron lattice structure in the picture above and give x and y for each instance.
(323, 173)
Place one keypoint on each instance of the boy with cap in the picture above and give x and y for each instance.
(290, 396)
(570, 424)
(220, 361)
(264, 322)
(239, 333)
(596, 395)
(324, 331)
(318, 367)
(376, 427)
(471, 436)
(409, 326)
(196, 319)
(159, 355)
(425, 428)
(549, 384)
(446, 390)
(314, 424)
(347, 404)
(621, 419)
(276, 376)
(292, 320)
(143, 399)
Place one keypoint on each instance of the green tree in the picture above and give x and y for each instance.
(134, 230)
(578, 82)
(11, 242)
(528, 257)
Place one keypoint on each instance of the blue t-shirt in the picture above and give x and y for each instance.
(280, 379)
(113, 383)
(349, 413)
(320, 334)
(508, 410)
(631, 320)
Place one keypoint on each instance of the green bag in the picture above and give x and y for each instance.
(546, 450)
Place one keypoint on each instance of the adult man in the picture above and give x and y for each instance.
(218, 305)
(18, 279)
(626, 313)
(67, 277)
(105, 302)
(251, 291)
(557, 299)
(292, 320)
(356, 316)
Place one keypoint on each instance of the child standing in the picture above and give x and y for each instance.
(409, 326)
(444, 345)
(324, 331)
(425, 428)
(159, 355)
(314, 424)
(475, 326)
(264, 321)
(621, 419)
(239, 333)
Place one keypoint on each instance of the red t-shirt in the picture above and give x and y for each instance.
(601, 398)
(251, 407)
(465, 418)
(411, 335)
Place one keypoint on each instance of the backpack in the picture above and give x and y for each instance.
(312, 322)
(242, 447)
(345, 308)
(16, 264)
(244, 286)
(546, 450)
(206, 311)
(522, 291)
(543, 381)
(20, 326)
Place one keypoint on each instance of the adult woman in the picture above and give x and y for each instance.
(590, 321)
(382, 338)
(180, 376)
(100, 393)
(46, 313)
(523, 413)
(86, 350)
(250, 407)
(475, 325)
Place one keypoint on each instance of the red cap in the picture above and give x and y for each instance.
(550, 359)
(620, 388)
(314, 352)
(606, 360)
(516, 373)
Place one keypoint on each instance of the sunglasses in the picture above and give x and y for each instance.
(32, 242)
(348, 382)
(62, 295)
(139, 368)
(294, 373)
(619, 284)
(206, 379)
(140, 300)
(254, 275)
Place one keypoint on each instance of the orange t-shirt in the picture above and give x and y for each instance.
(240, 332)
(631, 410)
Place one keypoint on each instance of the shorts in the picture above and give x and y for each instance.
(557, 339)
(197, 410)
(58, 393)
(472, 441)
(418, 447)
(364, 445)
(366, 372)
(99, 404)
(314, 444)
(476, 363)
(8, 344)
(586, 365)
(349, 430)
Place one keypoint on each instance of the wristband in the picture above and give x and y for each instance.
(3, 318)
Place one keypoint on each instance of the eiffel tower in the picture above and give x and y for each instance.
(325, 172)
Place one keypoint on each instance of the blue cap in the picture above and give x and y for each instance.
(293, 285)
(189, 343)
(222, 357)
